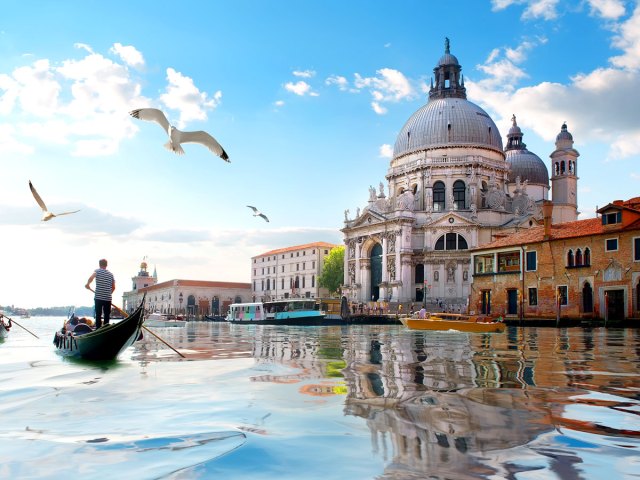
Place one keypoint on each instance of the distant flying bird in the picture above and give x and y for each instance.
(46, 214)
(178, 137)
(256, 213)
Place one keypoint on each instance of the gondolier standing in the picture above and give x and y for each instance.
(105, 285)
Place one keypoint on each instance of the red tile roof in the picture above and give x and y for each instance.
(298, 247)
(196, 283)
(580, 228)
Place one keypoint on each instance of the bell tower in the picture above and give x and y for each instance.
(143, 279)
(564, 178)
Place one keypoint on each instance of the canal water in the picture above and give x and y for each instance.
(353, 402)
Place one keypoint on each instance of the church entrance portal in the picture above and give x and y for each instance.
(376, 271)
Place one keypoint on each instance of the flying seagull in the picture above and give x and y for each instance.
(178, 137)
(46, 214)
(256, 213)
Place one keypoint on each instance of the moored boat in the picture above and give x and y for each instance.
(290, 311)
(157, 319)
(452, 321)
(104, 343)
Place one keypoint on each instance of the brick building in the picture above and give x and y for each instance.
(583, 269)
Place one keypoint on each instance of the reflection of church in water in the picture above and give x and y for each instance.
(451, 187)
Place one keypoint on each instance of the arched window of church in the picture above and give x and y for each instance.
(562, 167)
(268, 284)
(587, 257)
(438, 196)
(556, 168)
(451, 241)
(570, 258)
(578, 258)
(459, 190)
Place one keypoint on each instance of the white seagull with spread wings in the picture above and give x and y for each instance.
(256, 213)
(177, 137)
(46, 214)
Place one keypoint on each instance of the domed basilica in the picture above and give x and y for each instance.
(451, 186)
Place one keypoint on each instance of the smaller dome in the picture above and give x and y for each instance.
(448, 59)
(528, 166)
(564, 134)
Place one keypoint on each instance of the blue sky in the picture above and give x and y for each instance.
(307, 99)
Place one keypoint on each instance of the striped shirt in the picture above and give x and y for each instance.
(104, 284)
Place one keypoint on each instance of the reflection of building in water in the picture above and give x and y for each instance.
(419, 396)
(453, 405)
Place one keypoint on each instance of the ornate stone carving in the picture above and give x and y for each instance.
(352, 248)
(405, 201)
(391, 268)
(451, 271)
(352, 273)
(391, 242)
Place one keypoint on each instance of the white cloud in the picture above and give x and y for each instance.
(388, 86)
(502, 4)
(608, 9)
(82, 103)
(79, 102)
(628, 40)
(279, 103)
(379, 109)
(34, 89)
(129, 54)
(598, 106)
(181, 94)
(341, 82)
(386, 151)
(545, 9)
(83, 46)
(300, 88)
(304, 73)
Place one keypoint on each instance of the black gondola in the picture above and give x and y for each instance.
(104, 343)
(4, 327)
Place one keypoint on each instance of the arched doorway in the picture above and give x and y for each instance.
(191, 305)
(420, 283)
(215, 306)
(376, 271)
(587, 298)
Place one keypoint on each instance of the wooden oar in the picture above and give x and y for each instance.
(13, 321)
(125, 314)
(158, 337)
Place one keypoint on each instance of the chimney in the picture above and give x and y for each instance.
(547, 214)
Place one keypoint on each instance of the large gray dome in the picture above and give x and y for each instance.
(448, 122)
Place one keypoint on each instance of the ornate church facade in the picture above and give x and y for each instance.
(451, 187)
